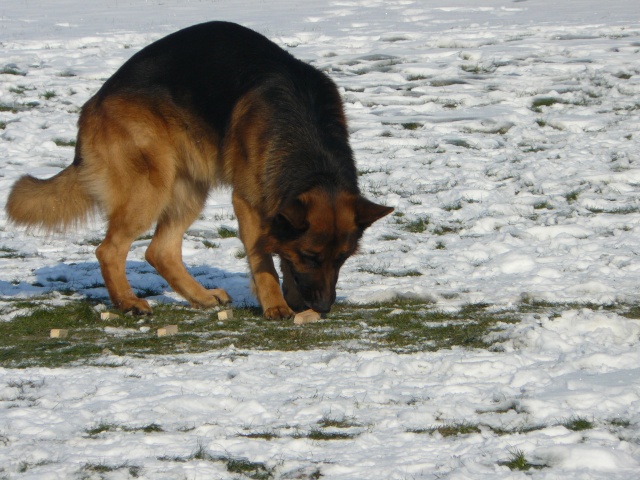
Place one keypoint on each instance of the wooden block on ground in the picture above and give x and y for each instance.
(108, 316)
(308, 316)
(225, 315)
(168, 330)
(58, 333)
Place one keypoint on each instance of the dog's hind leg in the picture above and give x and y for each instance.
(125, 225)
(127, 164)
(165, 251)
(132, 207)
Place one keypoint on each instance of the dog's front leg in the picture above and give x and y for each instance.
(263, 271)
(289, 288)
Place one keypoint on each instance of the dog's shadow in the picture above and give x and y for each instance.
(86, 279)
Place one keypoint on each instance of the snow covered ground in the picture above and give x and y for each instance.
(505, 133)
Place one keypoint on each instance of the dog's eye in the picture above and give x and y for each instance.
(311, 258)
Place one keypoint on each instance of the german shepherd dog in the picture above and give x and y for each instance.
(215, 103)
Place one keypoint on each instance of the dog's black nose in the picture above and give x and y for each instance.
(321, 306)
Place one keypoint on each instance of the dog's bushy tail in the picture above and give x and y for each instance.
(54, 204)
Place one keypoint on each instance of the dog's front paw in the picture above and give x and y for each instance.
(278, 312)
(211, 298)
(137, 306)
(220, 296)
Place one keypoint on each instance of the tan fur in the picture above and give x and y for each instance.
(54, 205)
(142, 163)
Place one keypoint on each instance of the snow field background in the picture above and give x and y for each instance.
(506, 137)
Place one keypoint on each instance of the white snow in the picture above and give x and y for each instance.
(510, 129)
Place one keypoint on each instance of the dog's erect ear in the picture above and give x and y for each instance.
(291, 219)
(368, 212)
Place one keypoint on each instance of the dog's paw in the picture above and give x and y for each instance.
(137, 306)
(220, 296)
(211, 298)
(278, 312)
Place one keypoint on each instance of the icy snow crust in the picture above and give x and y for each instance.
(506, 136)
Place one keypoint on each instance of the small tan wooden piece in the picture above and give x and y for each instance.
(108, 316)
(225, 315)
(58, 333)
(308, 316)
(168, 330)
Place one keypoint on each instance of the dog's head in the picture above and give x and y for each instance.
(314, 234)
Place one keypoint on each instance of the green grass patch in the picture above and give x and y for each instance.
(538, 103)
(200, 453)
(385, 272)
(450, 429)
(19, 90)
(94, 242)
(632, 312)
(620, 422)
(572, 196)
(416, 226)
(368, 171)
(241, 466)
(15, 107)
(452, 206)
(520, 430)
(261, 435)
(451, 104)
(24, 467)
(620, 210)
(543, 205)
(103, 468)
(6, 252)
(328, 428)
(447, 229)
(447, 82)
(106, 427)
(454, 429)
(67, 74)
(322, 435)
(226, 232)
(4, 107)
(12, 69)
(102, 427)
(25, 339)
(578, 424)
(518, 461)
(210, 244)
(478, 68)
(401, 326)
(461, 142)
(411, 126)
(61, 142)
(344, 422)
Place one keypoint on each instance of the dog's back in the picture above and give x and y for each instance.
(206, 68)
(209, 67)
